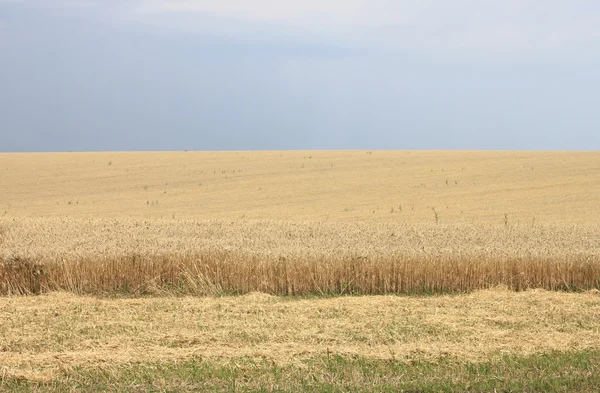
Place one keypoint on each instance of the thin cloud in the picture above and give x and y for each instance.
(503, 27)
(511, 25)
(56, 4)
(331, 12)
(79, 3)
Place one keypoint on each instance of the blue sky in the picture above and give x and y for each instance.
(264, 74)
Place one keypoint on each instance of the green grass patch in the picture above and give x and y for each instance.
(577, 371)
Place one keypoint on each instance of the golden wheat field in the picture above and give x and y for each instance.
(131, 256)
(299, 223)
(470, 187)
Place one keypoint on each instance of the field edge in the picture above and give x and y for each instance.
(555, 371)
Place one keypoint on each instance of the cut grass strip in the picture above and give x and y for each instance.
(574, 371)
(42, 336)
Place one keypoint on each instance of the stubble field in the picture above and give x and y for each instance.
(226, 269)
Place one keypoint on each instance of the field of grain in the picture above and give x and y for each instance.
(131, 258)
(401, 186)
(299, 222)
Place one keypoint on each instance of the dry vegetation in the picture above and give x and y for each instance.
(299, 222)
(462, 187)
(148, 226)
(44, 335)
(103, 256)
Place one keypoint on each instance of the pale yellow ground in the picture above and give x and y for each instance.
(41, 336)
(462, 186)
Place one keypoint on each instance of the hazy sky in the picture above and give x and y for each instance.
(302, 74)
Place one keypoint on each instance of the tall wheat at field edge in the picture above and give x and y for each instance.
(218, 273)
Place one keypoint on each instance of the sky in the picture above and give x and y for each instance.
(86, 75)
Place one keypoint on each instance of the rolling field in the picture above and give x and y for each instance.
(133, 258)
(463, 187)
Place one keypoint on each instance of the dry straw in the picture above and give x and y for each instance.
(42, 336)
(225, 273)
(217, 257)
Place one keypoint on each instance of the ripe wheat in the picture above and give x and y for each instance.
(216, 257)
(299, 222)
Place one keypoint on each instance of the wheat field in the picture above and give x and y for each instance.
(131, 258)
(461, 186)
(360, 222)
